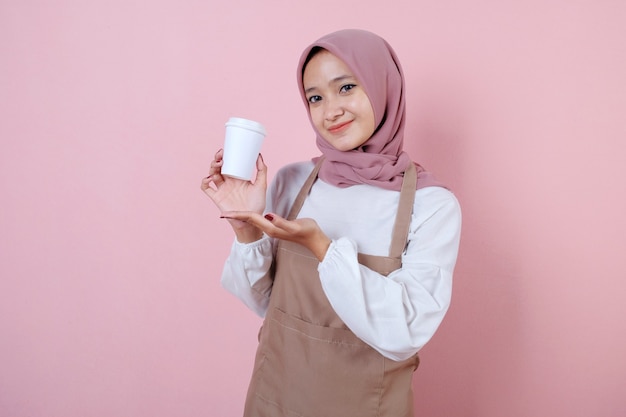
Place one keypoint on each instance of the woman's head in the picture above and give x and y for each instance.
(339, 108)
(374, 154)
(375, 70)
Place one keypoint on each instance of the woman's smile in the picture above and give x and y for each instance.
(340, 127)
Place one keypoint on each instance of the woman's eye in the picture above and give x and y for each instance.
(347, 87)
(314, 99)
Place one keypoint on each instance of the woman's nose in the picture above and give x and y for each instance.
(333, 109)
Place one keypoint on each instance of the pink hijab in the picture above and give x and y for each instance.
(380, 161)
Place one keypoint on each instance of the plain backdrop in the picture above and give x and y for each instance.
(110, 255)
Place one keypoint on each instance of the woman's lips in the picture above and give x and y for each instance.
(339, 127)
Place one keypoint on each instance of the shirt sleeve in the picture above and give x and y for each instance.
(246, 273)
(398, 314)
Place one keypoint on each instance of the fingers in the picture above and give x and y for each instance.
(215, 171)
(215, 174)
(250, 217)
(217, 161)
(281, 223)
(205, 183)
(271, 224)
(205, 186)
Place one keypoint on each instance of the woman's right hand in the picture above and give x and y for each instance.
(232, 194)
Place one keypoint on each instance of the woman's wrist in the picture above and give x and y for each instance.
(320, 247)
(247, 234)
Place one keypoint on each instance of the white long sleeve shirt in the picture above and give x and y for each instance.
(396, 314)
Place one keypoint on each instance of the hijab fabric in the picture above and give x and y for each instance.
(380, 161)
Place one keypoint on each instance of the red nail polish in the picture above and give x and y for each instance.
(269, 217)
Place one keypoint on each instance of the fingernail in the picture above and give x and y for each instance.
(269, 217)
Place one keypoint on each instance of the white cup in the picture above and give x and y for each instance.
(242, 145)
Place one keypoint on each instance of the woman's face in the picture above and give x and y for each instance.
(340, 110)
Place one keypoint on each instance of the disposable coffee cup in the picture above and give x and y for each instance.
(242, 145)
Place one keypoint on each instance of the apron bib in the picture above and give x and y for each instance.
(308, 362)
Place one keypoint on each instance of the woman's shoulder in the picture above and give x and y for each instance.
(436, 193)
(286, 184)
(296, 168)
(434, 199)
(293, 174)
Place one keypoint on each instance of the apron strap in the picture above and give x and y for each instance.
(304, 191)
(405, 209)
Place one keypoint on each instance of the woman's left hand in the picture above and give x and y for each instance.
(305, 232)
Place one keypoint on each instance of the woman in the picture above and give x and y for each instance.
(352, 263)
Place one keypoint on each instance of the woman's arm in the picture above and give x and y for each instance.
(399, 313)
(247, 270)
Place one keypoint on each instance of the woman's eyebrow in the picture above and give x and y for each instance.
(308, 90)
(341, 78)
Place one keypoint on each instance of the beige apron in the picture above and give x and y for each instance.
(308, 362)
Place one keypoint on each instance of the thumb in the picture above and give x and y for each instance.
(261, 170)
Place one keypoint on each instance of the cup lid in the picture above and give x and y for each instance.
(247, 124)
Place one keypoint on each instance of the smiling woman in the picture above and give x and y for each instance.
(352, 272)
(109, 263)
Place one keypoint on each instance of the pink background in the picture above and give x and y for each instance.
(110, 255)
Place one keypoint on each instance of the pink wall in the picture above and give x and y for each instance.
(110, 255)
